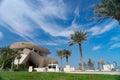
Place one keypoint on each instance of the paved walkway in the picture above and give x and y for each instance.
(97, 72)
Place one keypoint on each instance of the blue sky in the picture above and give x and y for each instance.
(50, 22)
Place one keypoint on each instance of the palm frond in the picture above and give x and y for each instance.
(71, 43)
(78, 37)
(60, 53)
(67, 52)
(107, 9)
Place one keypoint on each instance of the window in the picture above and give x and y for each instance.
(52, 66)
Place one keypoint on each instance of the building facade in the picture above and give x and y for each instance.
(32, 55)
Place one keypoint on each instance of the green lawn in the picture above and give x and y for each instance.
(54, 76)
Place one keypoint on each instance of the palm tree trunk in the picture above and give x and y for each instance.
(81, 57)
(12, 64)
(18, 64)
(98, 66)
(2, 65)
(66, 60)
(61, 64)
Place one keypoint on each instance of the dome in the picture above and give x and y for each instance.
(22, 45)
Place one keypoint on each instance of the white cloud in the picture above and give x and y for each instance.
(96, 48)
(97, 30)
(116, 45)
(1, 35)
(14, 16)
(50, 43)
(54, 42)
(15, 19)
(56, 8)
(116, 38)
(77, 12)
(12, 13)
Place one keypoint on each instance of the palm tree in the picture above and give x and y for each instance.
(79, 37)
(61, 55)
(13, 55)
(98, 65)
(90, 64)
(67, 53)
(85, 65)
(18, 56)
(107, 9)
(4, 52)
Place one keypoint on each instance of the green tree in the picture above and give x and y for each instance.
(4, 52)
(107, 9)
(18, 56)
(0, 61)
(61, 55)
(79, 37)
(7, 65)
(90, 64)
(67, 53)
(8, 56)
(13, 54)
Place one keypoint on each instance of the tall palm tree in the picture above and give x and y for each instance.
(79, 37)
(18, 56)
(61, 55)
(67, 53)
(13, 55)
(107, 9)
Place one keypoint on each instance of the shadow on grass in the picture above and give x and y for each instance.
(1, 78)
(118, 77)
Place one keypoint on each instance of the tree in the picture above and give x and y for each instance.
(4, 52)
(0, 61)
(61, 55)
(66, 54)
(8, 56)
(13, 55)
(98, 65)
(90, 64)
(101, 63)
(115, 64)
(107, 9)
(18, 56)
(79, 37)
(85, 66)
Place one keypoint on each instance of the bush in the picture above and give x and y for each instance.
(7, 65)
(21, 68)
(113, 69)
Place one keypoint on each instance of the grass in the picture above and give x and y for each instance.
(54, 76)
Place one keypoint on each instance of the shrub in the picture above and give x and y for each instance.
(21, 68)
